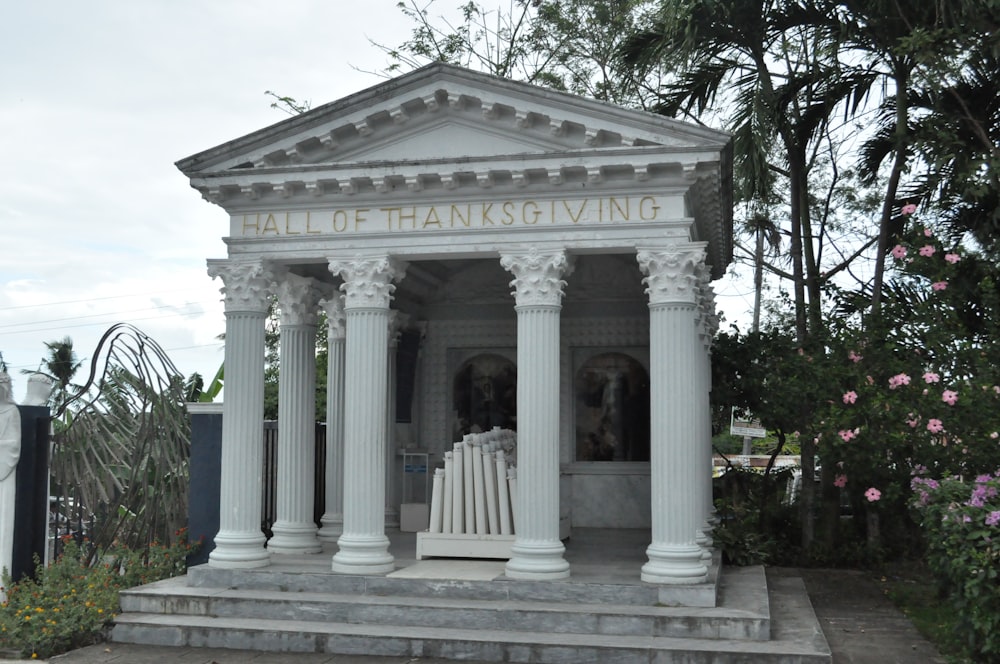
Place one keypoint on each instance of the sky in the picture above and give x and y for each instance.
(98, 100)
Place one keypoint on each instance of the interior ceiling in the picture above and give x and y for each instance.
(424, 278)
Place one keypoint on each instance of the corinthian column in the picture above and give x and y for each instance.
(537, 552)
(333, 518)
(240, 542)
(294, 528)
(363, 546)
(676, 453)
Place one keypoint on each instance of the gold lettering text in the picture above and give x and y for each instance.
(255, 225)
(648, 208)
(270, 226)
(340, 221)
(432, 218)
(530, 212)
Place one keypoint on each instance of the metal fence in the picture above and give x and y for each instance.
(270, 475)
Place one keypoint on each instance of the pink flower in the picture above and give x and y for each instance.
(846, 434)
(898, 380)
(949, 397)
(952, 258)
(853, 357)
(939, 285)
(913, 422)
(850, 397)
(909, 208)
(927, 232)
(840, 481)
(899, 251)
(993, 518)
(873, 494)
(927, 250)
(995, 435)
(931, 377)
(935, 426)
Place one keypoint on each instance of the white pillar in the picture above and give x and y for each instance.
(240, 541)
(332, 522)
(676, 454)
(294, 528)
(363, 546)
(538, 286)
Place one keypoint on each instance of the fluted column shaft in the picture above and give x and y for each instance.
(332, 522)
(240, 541)
(676, 454)
(294, 528)
(537, 552)
(363, 546)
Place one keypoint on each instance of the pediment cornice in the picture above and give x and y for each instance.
(533, 118)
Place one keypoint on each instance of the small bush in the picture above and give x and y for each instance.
(962, 524)
(69, 604)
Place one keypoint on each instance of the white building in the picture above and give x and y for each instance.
(549, 259)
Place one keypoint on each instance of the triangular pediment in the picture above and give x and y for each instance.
(443, 112)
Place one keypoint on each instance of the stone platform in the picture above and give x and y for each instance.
(468, 610)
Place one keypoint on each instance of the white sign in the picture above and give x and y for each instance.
(748, 428)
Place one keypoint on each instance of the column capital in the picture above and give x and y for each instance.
(336, 322)
(368, 280)
(298, 299)
(672, 273)
(246, 284)
(538, 276)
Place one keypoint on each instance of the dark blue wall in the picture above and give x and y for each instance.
(203, 490)
(31, 504)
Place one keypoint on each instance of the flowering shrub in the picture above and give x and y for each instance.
(962, 524)
(917, 385)
(69, 605)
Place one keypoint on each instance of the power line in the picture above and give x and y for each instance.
(95, 299)
(111, 313)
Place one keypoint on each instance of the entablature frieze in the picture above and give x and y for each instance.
(237, 191)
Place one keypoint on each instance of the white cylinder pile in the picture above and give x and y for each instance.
(473, 493)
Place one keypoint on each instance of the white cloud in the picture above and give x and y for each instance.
(99, 100)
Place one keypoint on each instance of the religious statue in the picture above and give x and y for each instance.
(39, 390)
(10, 452)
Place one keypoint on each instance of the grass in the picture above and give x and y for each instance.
(911, 587)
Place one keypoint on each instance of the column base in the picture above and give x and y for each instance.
(704, 540)
(674, 564)
(391, 519)
(537, 560)
(292, 537)
(239, 551)
(331, 528)
(361, 554)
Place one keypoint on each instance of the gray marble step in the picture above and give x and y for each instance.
(460, 643)
(743, 615)
(591, 583)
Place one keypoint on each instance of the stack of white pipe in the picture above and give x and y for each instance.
(475, 491)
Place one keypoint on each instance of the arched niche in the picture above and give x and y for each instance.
(484, 394)
(612, 408)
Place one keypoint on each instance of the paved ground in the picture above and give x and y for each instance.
(860, 623)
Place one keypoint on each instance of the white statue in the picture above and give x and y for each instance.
(39, 390)
(10, 452)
